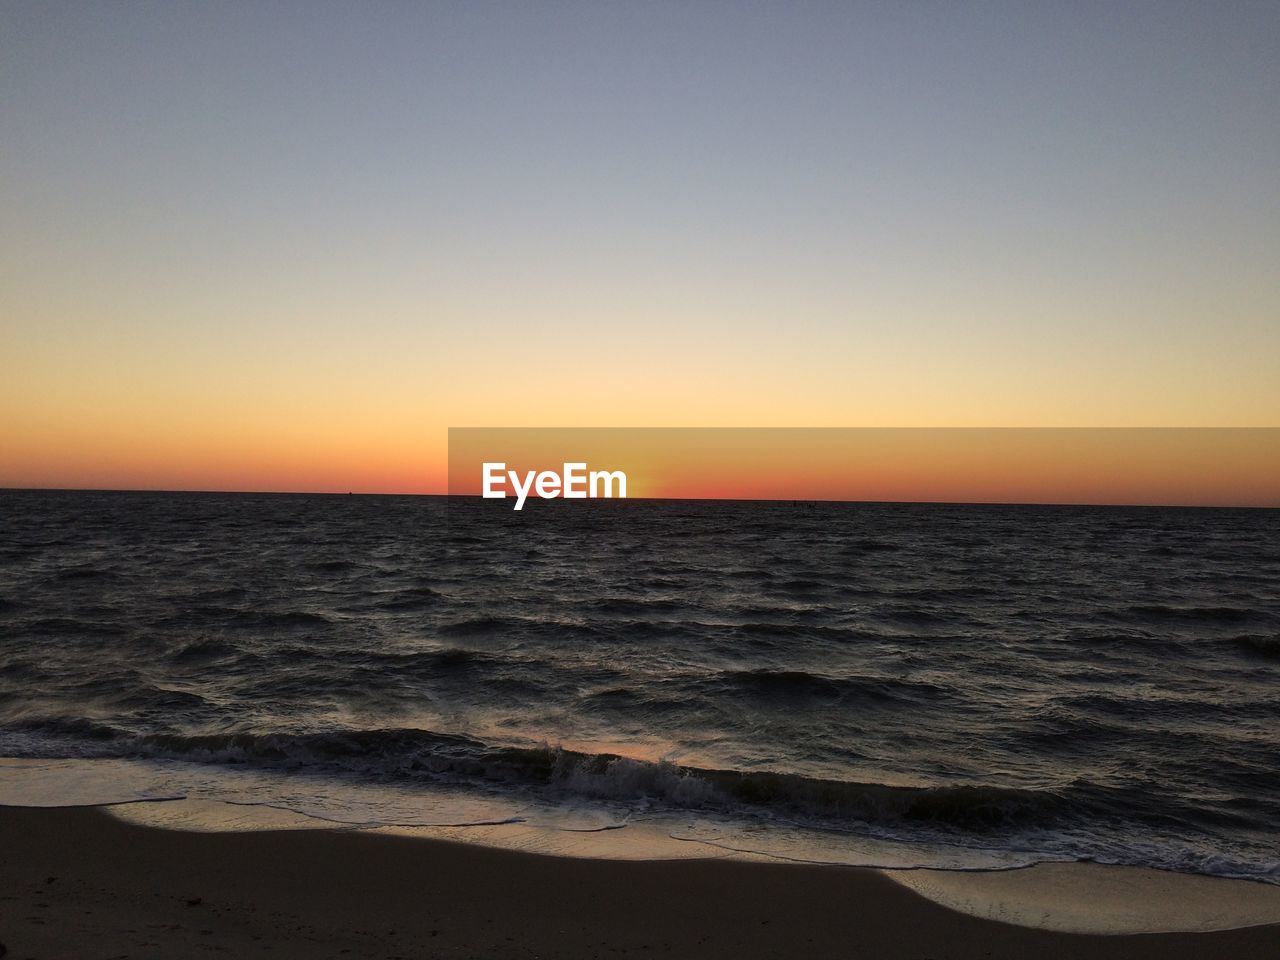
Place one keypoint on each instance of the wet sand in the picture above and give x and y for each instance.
(78, 883)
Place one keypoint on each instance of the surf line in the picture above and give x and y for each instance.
(573, 483)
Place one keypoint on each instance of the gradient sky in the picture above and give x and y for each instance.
(286, 245)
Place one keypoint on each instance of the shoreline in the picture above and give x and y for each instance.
(79, 882)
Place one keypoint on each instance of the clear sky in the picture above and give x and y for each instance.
(286, 245)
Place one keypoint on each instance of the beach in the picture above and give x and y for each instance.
(78, 883)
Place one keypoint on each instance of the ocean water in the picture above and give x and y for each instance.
(936, 685)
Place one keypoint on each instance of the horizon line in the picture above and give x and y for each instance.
(795, 500)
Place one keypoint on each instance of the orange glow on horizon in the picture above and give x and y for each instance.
(1193, 467)
(1236, 466)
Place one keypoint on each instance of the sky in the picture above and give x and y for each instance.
(286, 246)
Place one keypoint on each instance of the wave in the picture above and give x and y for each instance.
(1263, 647)
(801, 684)
(69, 626)
(1162, 613)
(278, 619)
(480, 626)
(415, 754)
(408, 600)
(871, 546)
(82, 573)
(967, 807)
(331, 566)
(202, 651)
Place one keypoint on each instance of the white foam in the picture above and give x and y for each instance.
(103, 782)
(801, 845)
(1092, 898)
(80, 783)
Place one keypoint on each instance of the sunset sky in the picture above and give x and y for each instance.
(1109, 465)
(286, 246)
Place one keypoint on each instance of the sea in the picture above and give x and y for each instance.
(904, 685)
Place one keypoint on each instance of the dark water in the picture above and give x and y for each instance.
(1058, 682)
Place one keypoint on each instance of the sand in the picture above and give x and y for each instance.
(78, 883)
